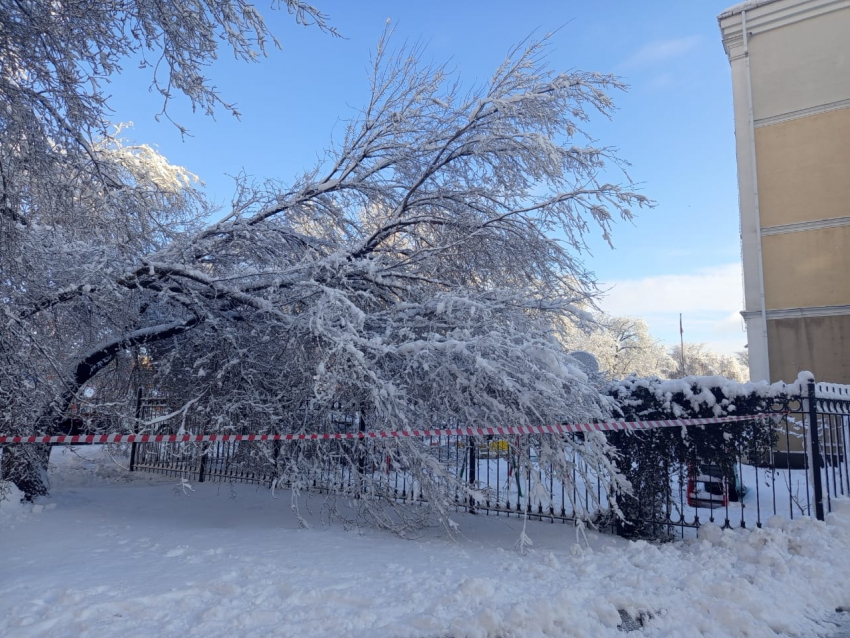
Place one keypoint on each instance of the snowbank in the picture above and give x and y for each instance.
(139, 558)
(11, 508)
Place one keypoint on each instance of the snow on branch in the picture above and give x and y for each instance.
(417, 276)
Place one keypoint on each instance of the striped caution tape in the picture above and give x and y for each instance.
(563, 428)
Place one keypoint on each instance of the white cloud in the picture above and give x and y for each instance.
(713, 289)
(659, 51)
(662, 81)
(731, 322)
(709, 299)
(731, 345)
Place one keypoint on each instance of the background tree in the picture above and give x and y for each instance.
(622, 345)
(743, 358)
(700, 361)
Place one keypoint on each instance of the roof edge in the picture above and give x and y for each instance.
(744, 6)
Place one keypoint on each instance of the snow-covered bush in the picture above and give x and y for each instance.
(651, 459)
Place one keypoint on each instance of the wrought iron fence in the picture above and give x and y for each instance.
(789, 461)
(501, 476)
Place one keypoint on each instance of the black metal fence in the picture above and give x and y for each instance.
(788, 461)
(500, 475)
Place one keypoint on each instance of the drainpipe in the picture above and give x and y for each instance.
(755, 190)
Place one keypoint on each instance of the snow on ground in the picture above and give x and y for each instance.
(114, 554)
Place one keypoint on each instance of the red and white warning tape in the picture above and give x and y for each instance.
(563, 428)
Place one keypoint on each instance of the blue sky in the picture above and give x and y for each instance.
(675, 126)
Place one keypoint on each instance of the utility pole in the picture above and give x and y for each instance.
(682, 343)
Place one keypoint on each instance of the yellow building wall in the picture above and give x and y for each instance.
(817, 344)
(820, 345)
(804, 169)
(808, 268)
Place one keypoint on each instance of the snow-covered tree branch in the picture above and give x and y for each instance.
(416, 275)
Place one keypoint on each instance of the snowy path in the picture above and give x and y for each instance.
(112, 555)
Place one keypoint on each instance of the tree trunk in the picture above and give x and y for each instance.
(26, 467)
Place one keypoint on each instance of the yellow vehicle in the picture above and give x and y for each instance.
(493, 449)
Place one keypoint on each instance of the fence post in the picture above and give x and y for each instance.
(472, 470)
(136, 430)
(276, 472)
(361, 454)
(814, 437)
(202, 466)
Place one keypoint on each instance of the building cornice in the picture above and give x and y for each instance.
(796, 115)
(767, 15)
(798, 313)
(797, 227)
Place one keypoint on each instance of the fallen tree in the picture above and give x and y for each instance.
(418, 273)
